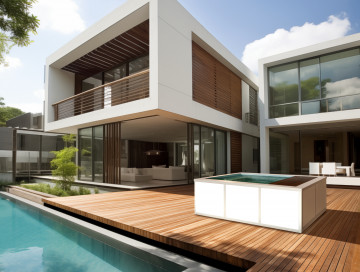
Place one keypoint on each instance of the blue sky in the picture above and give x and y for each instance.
(249, 29)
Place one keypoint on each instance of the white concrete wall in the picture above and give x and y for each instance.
(61, 85)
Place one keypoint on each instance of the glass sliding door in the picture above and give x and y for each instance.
(220, 137)
(196, 156)
(207, 152)
(91, 145)
(279, 153)
(85, 154)
(98, 142)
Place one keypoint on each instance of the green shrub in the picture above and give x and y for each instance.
(96, 190)
(57, 191)
(84, 191)
(63, 164)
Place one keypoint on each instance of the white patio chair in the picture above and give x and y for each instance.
(329, 168)
(340, 171)
(352, 170)
(314, 168)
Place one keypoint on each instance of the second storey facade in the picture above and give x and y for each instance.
(310, 107)
(148, 85)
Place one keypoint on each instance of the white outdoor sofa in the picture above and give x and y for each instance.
(158, 173)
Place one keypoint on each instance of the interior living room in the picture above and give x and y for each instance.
(293, 150)
(153, 151)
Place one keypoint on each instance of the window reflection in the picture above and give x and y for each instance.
(85, 153)
(283, 84)
(338, 72)
(351, 102)
(310, 79)
(331, 81)
(310, 107)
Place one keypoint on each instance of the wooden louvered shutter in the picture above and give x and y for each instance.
(214, 85)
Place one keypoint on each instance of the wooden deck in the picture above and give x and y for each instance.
(166, 215)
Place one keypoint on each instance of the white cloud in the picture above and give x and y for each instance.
(11, 63)
(59, 15)
(283, 40)
(27, 107)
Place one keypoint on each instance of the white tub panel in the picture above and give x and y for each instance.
(242, 203)
(320, 197)
(280, 208)
(209, 199)
(308, 205)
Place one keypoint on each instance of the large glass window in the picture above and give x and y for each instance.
(327, 83)
(138, 64)
(123, 70)
(115, 74)
(284, 90)
(209, 147)
(340, 74)
(207, 152)
(284, 84)
(310, 79)
(92, 82)
(6, 152)
(98, 140)
(85, 154)
(91, 154)
(220, 152)
(196, 132)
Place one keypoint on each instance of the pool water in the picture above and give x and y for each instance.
(263, 179)
(31, 241)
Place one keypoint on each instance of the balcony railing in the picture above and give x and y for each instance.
(121, 91)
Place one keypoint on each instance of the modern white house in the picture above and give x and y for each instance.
(310, 106)
(151, 94)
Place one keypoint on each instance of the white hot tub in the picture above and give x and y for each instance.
(283, 202)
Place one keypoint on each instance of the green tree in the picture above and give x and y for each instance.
(16, 25)
(7, 113)
(63, 164)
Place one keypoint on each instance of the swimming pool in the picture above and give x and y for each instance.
(264, 179)
(32, 241)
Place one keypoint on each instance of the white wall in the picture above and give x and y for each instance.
(61, 85)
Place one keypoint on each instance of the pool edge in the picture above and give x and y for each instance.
(113, 239)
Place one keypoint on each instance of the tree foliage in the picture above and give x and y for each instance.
(7, 113)
(16, 24)
(63, 164)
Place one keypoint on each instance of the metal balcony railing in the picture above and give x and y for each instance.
(127, 89)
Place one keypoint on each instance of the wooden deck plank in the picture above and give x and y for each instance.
(309, 244)
(167, 215)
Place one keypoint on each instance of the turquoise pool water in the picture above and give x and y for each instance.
(31, 241)
(264, 179)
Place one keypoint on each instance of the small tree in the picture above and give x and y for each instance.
(63, 164)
